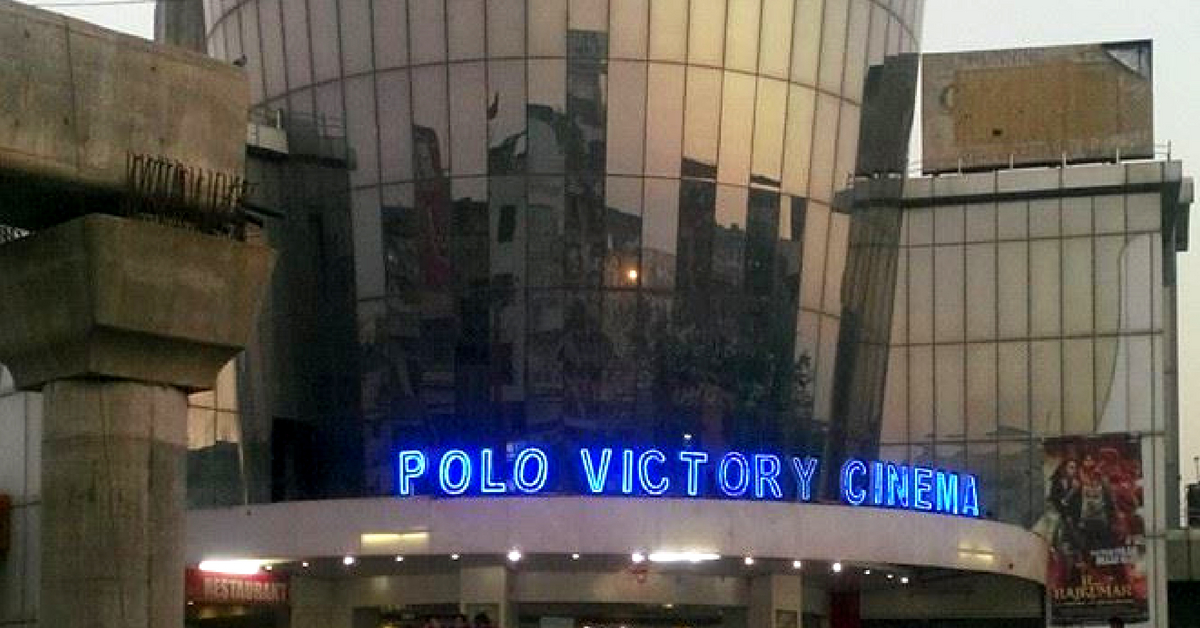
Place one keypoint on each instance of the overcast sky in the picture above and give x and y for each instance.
(981, 24)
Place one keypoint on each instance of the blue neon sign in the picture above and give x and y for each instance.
(654, 472)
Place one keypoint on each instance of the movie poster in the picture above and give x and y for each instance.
(1094, 523)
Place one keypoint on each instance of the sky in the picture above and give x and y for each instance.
(956, 25)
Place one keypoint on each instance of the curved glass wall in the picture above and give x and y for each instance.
(586, 220)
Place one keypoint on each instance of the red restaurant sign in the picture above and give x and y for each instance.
(222, 588)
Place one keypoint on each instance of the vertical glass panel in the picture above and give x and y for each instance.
(395, 126)
(702, 117)
(1161, 378)
(216, 44)
(506, 28)
(630, 19)
(919, 225)
(361, 131)
(894, 36)
(1078, 401)
(847, 146)
(981, 460)
(948, 224)
(664, 138)
(1143, 211)
(368, 244)
(668, 29)
(920, 393)
(355, 24)
(949, 290)
(1076, 216)
(430, 126)
(826, 361)
(878, 34)
(464, 25)
(1108, 283)
(894, 428)
(1043, 218)
(835, 261)
(1136, 278)
(981, 222)
(1013, 380)
(769, 116)
(981, 291)
(775, 45)
(1045, 298)
(729, 236)
(507, 146)
(660, 233)
(1013, 483)
(296, 40)
(1157, 304)
(626, 116)
(544, 254)
(825, 138)
(1046, 395)
(736, 125)
(981, 390)
(833, 44)
(816, 234)
(920, 295)
(272, 48)
(587, 88)
(588, 15)
(1109, 214)
(623, 232)
(856, 48)
(300, 103)
(706, 32)
(248, 20)
(1012, 220)
(391, 33)
(806, 41)
(329, 104)
(1141, 384)
(900, 299)
(798, 139)
(1013, 288)
(428, 32)
(546, 111)
(1077, 285)
(949, 393)
(1110, 386)
(468, 118)
(741, 41)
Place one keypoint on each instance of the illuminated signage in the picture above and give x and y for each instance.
(223, 588)
(686, 473)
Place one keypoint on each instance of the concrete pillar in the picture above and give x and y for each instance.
(115, 321)
(485, 589)
(776, 601)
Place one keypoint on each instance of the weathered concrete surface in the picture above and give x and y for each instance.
(113, 485)
(1035, 105)
(118, 298)
(78, 99)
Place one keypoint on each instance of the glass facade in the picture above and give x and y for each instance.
(587, 219)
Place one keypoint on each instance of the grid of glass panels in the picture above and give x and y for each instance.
(586, 217)
(1018, 320)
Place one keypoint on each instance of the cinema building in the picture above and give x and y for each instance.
(625, 313)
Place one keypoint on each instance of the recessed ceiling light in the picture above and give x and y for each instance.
(514, 555)
(574, 556)
(797, 564)
(638, 557)
(454, 557)
(349, 560)
(837, 568)
(749, 560)
(399, 559)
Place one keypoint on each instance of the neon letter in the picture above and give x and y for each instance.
(596, 477)
(897, 485)
(766, 469)
(458, 486)
(693, 459)
(970, 496)
(728, 460)
(487, 483)
(851, 493)
(543, 469)
(805, 470)
(877, 482)
(922, 488)
(412, 465)
(947, 492)
(627, 471)
(644, 460)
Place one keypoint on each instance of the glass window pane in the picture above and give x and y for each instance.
(706, 32)
(588, 15)
(948, 293)
(981, 291)
(430, 134)
(660, 232)
(769, 115)
(630, 18)
(737, 123)
(806, 41)
(856, 48)
(948, 224)
(1044, 298)
(547, 106)
(798, 139)
(468, 119)
(702, 118)
(981, 222)
(949, 384)
(1013, 380)
(1136, 278)
(741, 40)
(1077, 216)
(900, 300)
(920, 393)
(1077, 286)
(825, 136)
(626, 116)
(1078, 400)
(826, 359)
(272, 47)
(1110, 387)
(668, 29)
(506, 116)
(1110, 214)
(1141, 384)
(833, 44)
(368, 244)
(623, 231)
(1013, 288)
(248, 20)
(835, 261)
(428, 35)
(1108, 285)
(664, 137)
(920, 295)
(355, 24)
(506, 28)
(816, 231)
(919, 225)
(391, 33)
(361, 130)
(1012, 220)
(981, 390)
(1046, 397)
(775, 47)
(547, 28)
(1143, 211)
(894, 428)
(878, 36)
(296, 40)
(847, 146)
(464, 23)
(395, 126)
(1043, 218)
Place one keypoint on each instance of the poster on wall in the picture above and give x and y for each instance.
(1094, 524)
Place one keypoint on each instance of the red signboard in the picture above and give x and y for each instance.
(222, 588)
